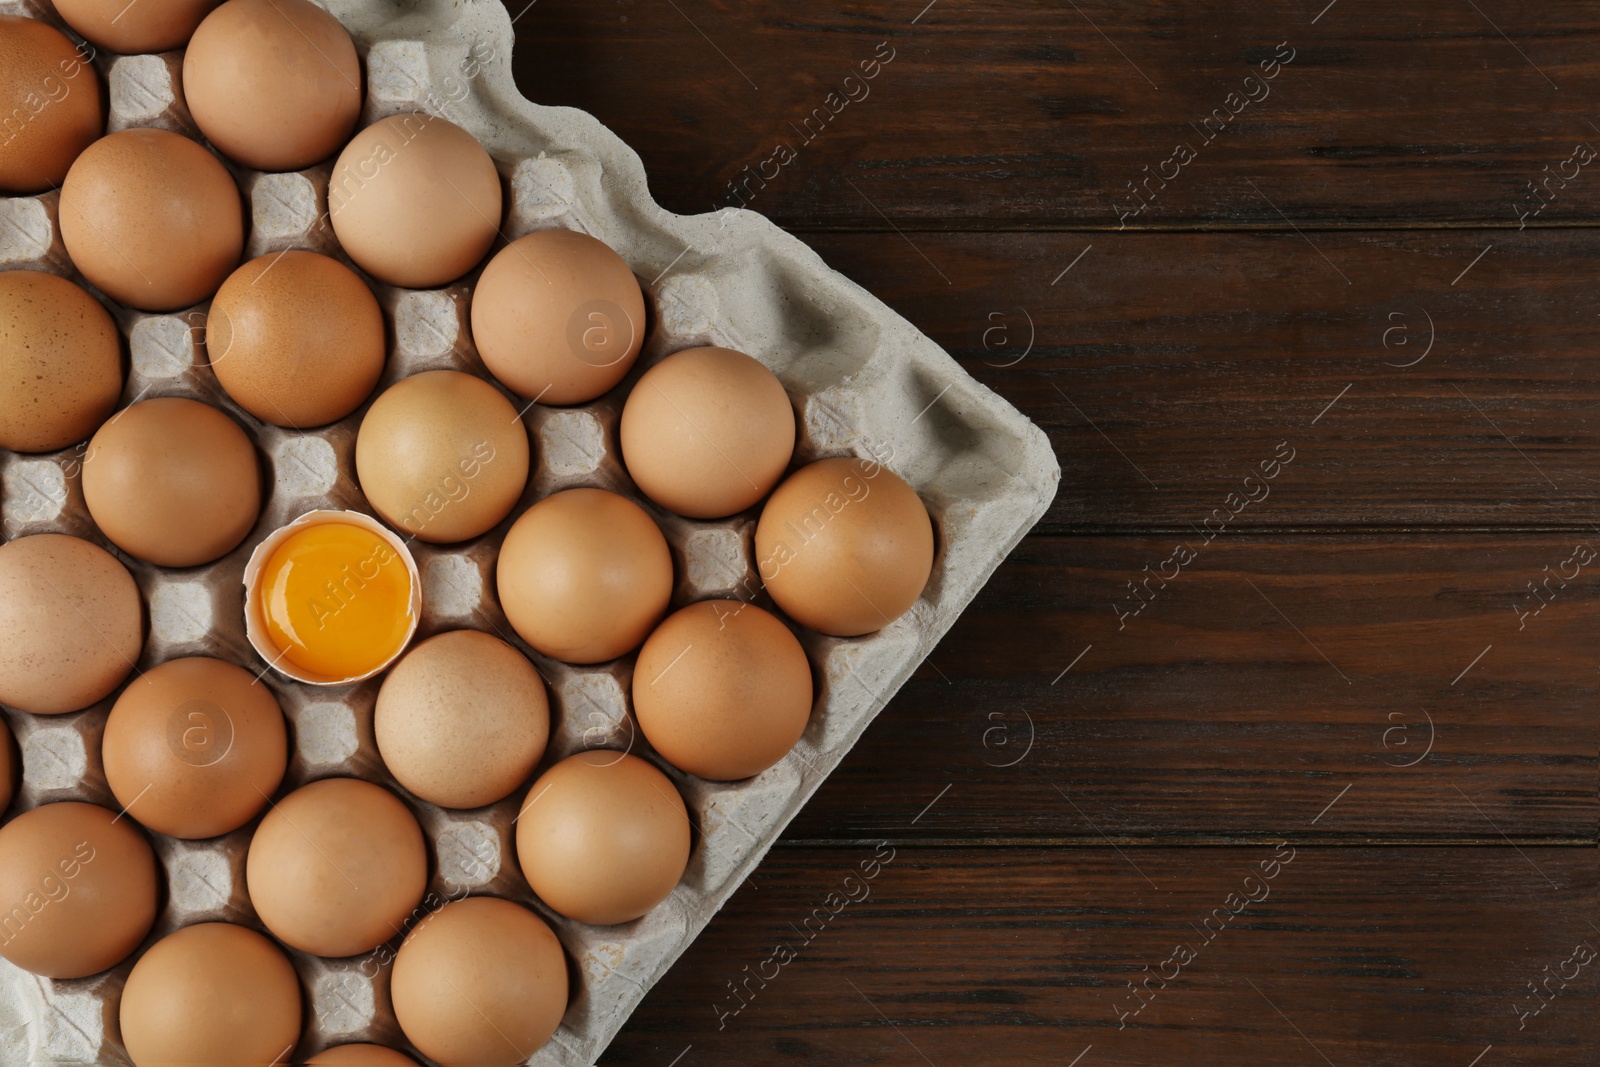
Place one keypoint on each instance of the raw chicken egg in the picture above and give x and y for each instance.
(213, 993)
(194, 747)
(481, 982)
(442, 455)
(603, 837)
(415, 201)
(60, 362)
(50, 97)
(844, 546)
(152, 219)
(172, 481)
(360, 1056)
(71, 623)
(722, 689)
(558, 317)
(337, 867)
(80, 886)
(274, 84)
(584, 575)
(135, 28)
(707, 432)
(296, 339)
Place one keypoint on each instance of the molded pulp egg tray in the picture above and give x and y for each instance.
(863, 381)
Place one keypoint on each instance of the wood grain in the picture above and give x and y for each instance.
(1038, 114)
(1380, 957)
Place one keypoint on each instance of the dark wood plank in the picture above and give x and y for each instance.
(1034, 112)
(1168, 367)
(1270, 677)
(1380, 957)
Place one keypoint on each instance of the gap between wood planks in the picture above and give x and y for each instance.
(1055, 225)
(1091, 842)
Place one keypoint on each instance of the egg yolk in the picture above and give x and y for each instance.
(336, 600)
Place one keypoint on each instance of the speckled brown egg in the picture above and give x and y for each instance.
(273, 84)
(707, 432)
(415, 201)
(172, 481)
(152, 219)
(60, 362)
(558, 317)
(361, 1056)
(462, 720)
(337, 867)
(844, 546)
(481, 982)
(603, 837)
(194, 747)
(213, 993)
(442, 455)
(296, 339)
(135, 28)
(584, 575)
(722, 689)
(71, 623)
(50, 97)
(80, 887)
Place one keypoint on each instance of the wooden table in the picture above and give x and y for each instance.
(1276, 742)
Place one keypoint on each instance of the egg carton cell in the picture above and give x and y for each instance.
(863, 382)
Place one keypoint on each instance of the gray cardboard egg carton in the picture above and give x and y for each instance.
(863, 380)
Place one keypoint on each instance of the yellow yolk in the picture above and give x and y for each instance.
(336, 599)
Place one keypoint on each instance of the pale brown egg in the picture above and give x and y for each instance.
(194, 747)
(8, 767)
(214, 993)
(172, 481)
(50, 97)
(361, 1056)
(584, 575)
(442, 455)
(152, 219)
(80, 888)
(481, 982)
(722, 689)
(603, 837)
(462, 720)
(60, 362)
(337, 867)
(71, 623)
(135, 28)
(415, 201)
(558, 317)
(273, 84)
(707, 432)
(844, 546)
(296, 339)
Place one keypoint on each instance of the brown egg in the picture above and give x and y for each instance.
(296, 339)
(707, 432)
(481, 982)
(442, 455)
(722, 689)
(558, 317)
(135, 28)
(79, 884)
(415, 201)
(844, 546)
(152, 219)
(584, 575)
(361, 1056)
(273, 84)
(8, 767)
(50, 97)
(71, 623)
(337, 867)
(172, 481)
(194, 747)
(603, 837)
(213, 993)
(462, 720)
(60, 362)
